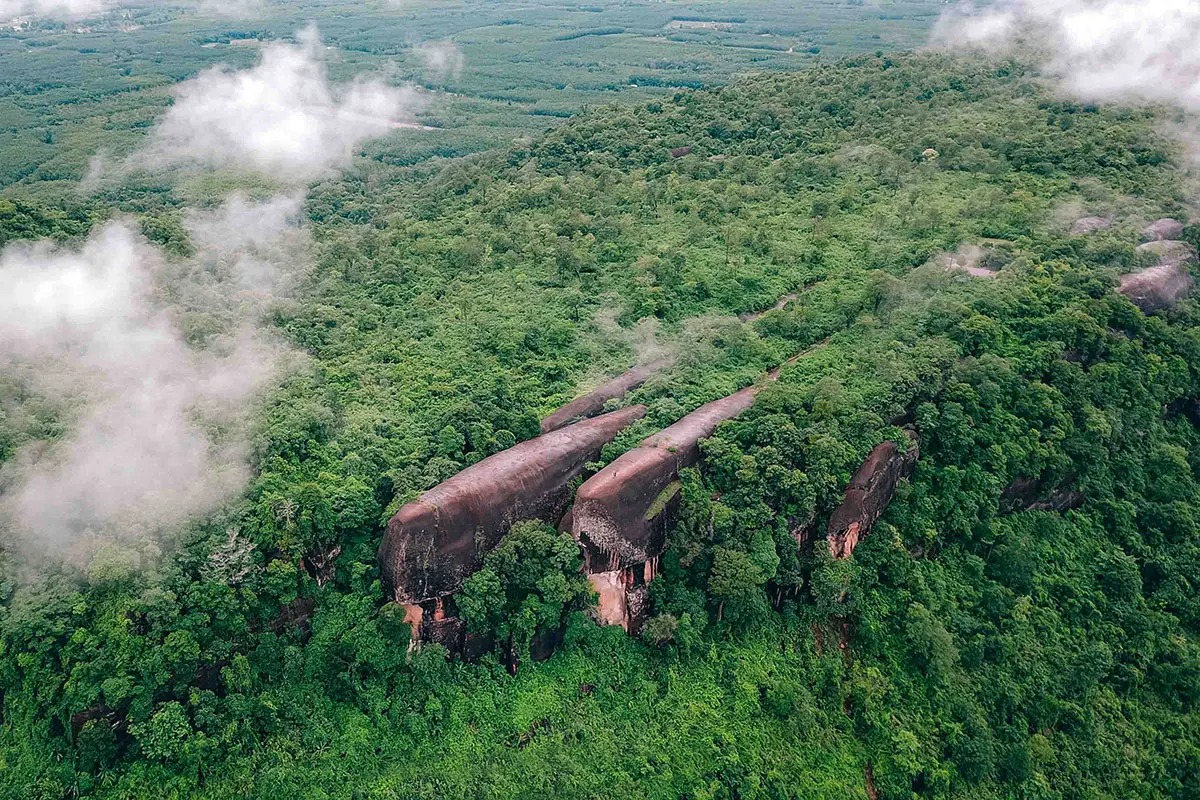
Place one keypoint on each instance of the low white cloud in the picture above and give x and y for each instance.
(442, 59)
(1122, 50)
(57, 9)
(81, 9)
(155, 425)
(249, 244)
(283, 117)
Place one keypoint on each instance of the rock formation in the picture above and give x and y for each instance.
(1162, 230)
(1086, 225)
(1166, 282)
(968, 258)
(1157, 287)
(618, 511)
(622, 513)
(868, 494)
(433, 543)
(1167, 252)
(437, 622)
(592, 403)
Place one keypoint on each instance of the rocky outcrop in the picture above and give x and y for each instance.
(623, 594)
(1166, 282)
(1158, 287)
(622, 513)
(321, 564)
(1086, 225)
(1162, 230)
(1167, 252)
(592, 403)
(433, 543)
(869, 493)
(437, 622)
(970, 259)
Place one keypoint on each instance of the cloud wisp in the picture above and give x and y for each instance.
(443, 59)
(153, 361)
(156, 428)
(1101, 50)
(56, 9)
(283, 117)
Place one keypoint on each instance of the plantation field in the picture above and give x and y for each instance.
(72, 90)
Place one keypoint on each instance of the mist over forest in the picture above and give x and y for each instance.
(413, 399)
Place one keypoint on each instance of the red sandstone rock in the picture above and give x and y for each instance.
(868, 495)
(622, 512)
(593, 402)
(1086, 225)
(1162, 229)
(433, 543)
(1158, 287)
(623, 594)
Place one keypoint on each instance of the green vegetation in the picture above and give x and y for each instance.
(98, 86)
(970, 648)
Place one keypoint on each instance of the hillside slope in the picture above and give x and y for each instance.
(984, 640)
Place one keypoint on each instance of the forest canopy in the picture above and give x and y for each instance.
(988, 638)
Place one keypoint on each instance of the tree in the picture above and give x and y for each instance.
(528, 585)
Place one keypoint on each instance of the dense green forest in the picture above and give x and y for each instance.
(973, 646)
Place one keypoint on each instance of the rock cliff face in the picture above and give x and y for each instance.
(868, 494)
(624, 594)
(435, 542)
(592, 403)
(622, 513)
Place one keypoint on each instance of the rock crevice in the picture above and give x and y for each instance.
(435, 542)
